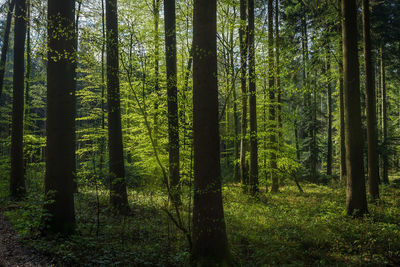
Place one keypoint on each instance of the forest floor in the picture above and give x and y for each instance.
(12, 250)
(284, 229)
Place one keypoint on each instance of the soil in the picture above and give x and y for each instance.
(13, 253)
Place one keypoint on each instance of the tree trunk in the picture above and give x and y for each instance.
(17, 179)
(342, 125)
(60, 118)
(385, 162)
(278, 80)
(272, 101)
(4, 49)
(373, 158)
(156, 14)
(103, 51)
(28, 64)
(244, 175)
(356, 203)
(236, 166)
(210, 245)
(329, 96)
(172, 92)
(118, 195)
(253, 178)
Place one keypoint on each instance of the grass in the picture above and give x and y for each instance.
(286, 229)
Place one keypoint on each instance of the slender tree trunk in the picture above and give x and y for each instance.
(103, 51)
(373, 158)
(156, 14)
(236, 165)
(342, 125)
(76, 28)
(253, 179)
(17, 179)
(356, 203)
(272, 101)
(4, 49)
(118, 195)
(60, 118)
(28, 64)
(210, 245)
(172, 92)
(385, 162)
(278, 80)
(244, 175)
(329, 96)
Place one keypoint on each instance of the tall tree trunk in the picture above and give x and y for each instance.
(356, 203)
(17, 179)
(385, 162)
(278, 80)
(156, 14)
(60, 117)
(329, 96)
(103, 51)
(244, 175)
(118, 195)
(76, 29)
(172, 92)
(4, 49)
(272, 101)
(253, 179)
(210, 245)
(373, 158)
(342, 125)
(236, 165)
(28, 64)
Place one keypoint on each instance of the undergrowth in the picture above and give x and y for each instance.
(286, 229)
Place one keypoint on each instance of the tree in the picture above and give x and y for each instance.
(272, 99)
(385, 162)
(356, 203)
(172, 92)
(329, 103)
(4, 48)
(210, 245)
(243, 85)
(373, 159)
(118, 195)
(17, 178)
(60, 118)
(253, 178)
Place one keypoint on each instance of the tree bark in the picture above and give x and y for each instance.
(278, 80)
(17, 179)
(210, 245)
(6, 39)
(329, 96)
(118, 195)
(60, 118)
(373, 158)
(272, 101)
(253, 178)
(356, 203)
(385, 162)
(244, 175)
(172, 92)
(342, 125)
